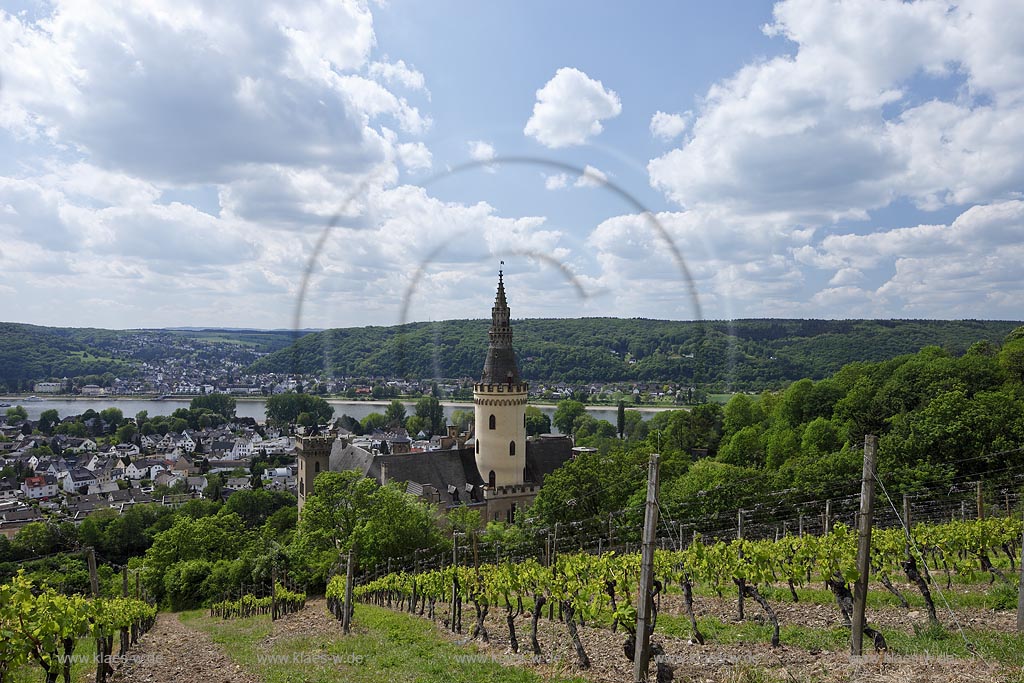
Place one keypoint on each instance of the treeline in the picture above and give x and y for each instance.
(742, 354)
(29, 353)
(942, 420)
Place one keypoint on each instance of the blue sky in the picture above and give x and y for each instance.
(175, 163)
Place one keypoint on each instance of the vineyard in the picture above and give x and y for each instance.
(600, 590)
(40, 626)
(283, 601)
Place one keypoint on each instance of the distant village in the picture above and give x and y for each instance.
(68, 477)
(65, 478)
(192, 367)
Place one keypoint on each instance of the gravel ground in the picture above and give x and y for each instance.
(716, 662)
(829, 616)
(174, 653)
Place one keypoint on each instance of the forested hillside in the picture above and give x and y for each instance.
(31, 352)
(744, 354)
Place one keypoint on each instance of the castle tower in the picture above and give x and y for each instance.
(500, 405)
(313, 454)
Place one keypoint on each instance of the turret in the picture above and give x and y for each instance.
(500, 404)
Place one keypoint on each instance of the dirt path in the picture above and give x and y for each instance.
(174, 653)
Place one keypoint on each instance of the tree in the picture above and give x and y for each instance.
(204, 539)
(47, 420)
(214, 486)
(463, 519)
(16, 414)
(820, 437)
(741, 411)
(395, 413)
(464, 418)
(537, 422)
(620, 422)
(743, 448)
(711, 487)
(285, 408)
(256, 506)
(373, 422)
(222, 404)
(415, 424)
(635, 427)
(126, 433)
(350, 423)
(112, 416)
(430, 410)
(566, 413)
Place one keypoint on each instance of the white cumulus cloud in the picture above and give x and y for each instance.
(669, 126)
(570, 108)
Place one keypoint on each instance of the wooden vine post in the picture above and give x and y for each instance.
(642, 652)
(273, 594)
(860, 588)
(346, 620)
(741, 583)
(1020, 591)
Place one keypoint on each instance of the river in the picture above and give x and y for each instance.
(254, 408)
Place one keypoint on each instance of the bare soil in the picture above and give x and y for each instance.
(175, 653)
(718, 662)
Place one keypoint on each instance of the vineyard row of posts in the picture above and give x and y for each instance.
(601, 587)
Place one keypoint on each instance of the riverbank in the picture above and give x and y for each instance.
(333, 400)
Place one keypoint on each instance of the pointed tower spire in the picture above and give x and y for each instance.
(500, 366)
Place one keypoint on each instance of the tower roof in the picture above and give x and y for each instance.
(500, 366)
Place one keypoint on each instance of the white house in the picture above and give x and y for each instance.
(186, 442)
(43, 486)
(78, 480)
(243, 449)
(9, 491)
(126, 450)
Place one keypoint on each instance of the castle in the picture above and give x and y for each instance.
(496, 469)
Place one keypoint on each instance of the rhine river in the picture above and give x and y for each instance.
(254, 408)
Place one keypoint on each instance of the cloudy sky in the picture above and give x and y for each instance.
(177, 163)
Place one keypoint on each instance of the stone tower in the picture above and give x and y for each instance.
(500, 405)
(313, 454)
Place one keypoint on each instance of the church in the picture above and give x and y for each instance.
(495, 469)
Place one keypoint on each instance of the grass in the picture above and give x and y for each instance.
(963, 594)
(81, 671)
(384, 646)
(1005, 648)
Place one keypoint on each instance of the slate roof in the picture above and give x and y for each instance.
(545, 455)
(500, 365)
(452, 473)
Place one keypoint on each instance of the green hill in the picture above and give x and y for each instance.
(31, 352)
(744, 354)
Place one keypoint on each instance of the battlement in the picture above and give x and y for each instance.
(506, 388)
(511, 490)
(314, 446)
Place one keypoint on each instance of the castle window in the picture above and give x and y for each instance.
(316, 467)
(490, 479)
(491, 422)
(478, 446)
(511, 447)
(524, 419)
(302, 488)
